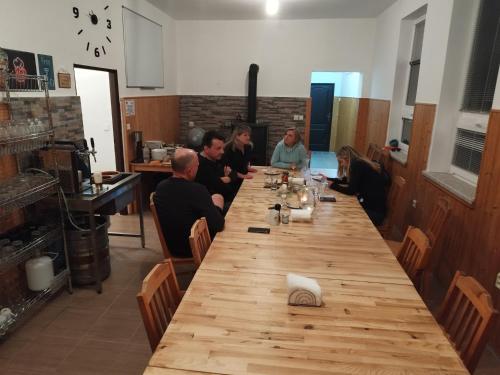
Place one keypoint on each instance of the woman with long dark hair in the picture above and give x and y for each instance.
(357, 175)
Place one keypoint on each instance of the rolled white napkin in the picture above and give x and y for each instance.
(303, 290)
(296, 181)
(301, 215)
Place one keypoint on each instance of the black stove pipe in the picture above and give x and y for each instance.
(252, 93)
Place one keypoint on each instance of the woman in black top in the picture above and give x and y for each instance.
(238, 153)
(357, 175)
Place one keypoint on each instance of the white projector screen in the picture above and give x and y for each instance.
(143, 40)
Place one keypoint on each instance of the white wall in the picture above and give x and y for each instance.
(93, 89)
(48, 27)
(214, 56)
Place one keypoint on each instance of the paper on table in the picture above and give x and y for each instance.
(303, 290)
(296, 181)
(301, 215)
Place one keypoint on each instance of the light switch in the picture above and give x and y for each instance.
(128, 127)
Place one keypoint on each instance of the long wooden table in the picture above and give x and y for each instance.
(234, 318)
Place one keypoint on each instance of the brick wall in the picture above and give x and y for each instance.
(217, 112)
(66, 114)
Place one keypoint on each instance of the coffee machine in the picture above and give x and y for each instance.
(137, 142)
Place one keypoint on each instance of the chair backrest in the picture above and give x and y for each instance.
(372, 147)
(467, 315)
(199, 240)
(158, 300)
(395, 192)
(437, 220)
(159, 229)
(414, 254)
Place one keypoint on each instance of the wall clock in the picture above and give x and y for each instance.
(95, 26)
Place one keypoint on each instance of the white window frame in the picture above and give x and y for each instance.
(477, 122)
(407, 110)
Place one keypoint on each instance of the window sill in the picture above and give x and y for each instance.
(400, 156)
(456, 186)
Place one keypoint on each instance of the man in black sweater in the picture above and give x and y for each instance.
(217, 177)
(180, 202)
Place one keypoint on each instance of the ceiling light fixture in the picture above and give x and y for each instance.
(272, 7)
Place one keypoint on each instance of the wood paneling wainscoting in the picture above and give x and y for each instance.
(471, 238)
(156, 116)
(373, 117)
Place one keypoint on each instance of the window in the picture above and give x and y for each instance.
(469, 147)
(406, 133)
(412, 81)
(484, 59)
(479, 90)
(418, 38)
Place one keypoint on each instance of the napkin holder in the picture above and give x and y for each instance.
(303, 291)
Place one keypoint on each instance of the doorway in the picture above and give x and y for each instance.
(321, 116)
(98, 92)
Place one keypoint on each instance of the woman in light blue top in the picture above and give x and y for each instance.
(289, 152)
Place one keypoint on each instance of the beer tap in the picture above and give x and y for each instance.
(93, 152)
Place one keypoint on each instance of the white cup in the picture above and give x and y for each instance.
(97, 178)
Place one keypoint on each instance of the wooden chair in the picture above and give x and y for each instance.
(434, 226)
(395, 194)
(467, 315)
(437, 221)
(414, 255)
(199, 240)
(158, 300)
(372, 147)
(166, 252)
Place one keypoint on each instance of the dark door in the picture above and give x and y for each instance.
(321, 116)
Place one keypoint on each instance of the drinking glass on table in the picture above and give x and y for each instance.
(293, 168)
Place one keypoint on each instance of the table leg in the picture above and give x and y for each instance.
(141, 214)
(95, 253)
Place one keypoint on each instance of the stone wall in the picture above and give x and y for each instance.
(66, 114)
(217, 113)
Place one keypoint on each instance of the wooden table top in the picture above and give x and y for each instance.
(234, 318)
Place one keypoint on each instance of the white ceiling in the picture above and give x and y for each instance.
(255, 9)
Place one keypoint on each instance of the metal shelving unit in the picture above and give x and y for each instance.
(26, 308)
(26, 188)
(26, 252)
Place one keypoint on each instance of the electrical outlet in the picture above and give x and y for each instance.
(301, 117)
(129, 127)
(414, 203)
(191, 124)
(497, 284)
(295, 117)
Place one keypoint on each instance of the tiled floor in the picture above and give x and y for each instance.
(102, 334)
(88, 333)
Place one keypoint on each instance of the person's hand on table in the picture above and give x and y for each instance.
(227, 170)
(218, 200)
(226, 179)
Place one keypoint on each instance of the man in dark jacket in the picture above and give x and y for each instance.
(180, 202)
(217, 177)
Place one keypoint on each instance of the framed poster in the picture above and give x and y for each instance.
(64, 80)
(46, 67)
(21, 64)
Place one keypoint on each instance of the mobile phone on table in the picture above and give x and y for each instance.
(259, 230)
(327, 198)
